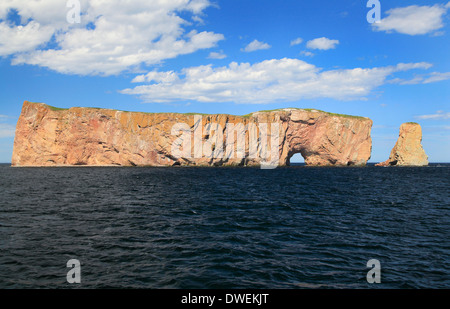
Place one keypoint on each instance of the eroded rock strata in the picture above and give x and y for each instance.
(408, 150)
(48, 136)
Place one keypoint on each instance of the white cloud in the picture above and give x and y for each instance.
(264, 82)
(256, 45)
(436, 128)
(411, 66)
(437, 77)
(39, 21)
(413, 20)
(125, 34)
(422, 79)
(158, 77)
(217, 55)
(7, 130)
(45, 12)
(414, 81)
(307, 53)
(440, 115)
(297, 41)
(322, 43)
(198, 20)
(24, 38)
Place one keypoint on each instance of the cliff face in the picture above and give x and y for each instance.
(46, 136)
(408, 150)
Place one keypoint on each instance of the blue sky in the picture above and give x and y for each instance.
(233, 57)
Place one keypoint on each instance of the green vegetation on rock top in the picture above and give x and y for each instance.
(56, 108)
(307, 109)
(49, 106)
(246, 116)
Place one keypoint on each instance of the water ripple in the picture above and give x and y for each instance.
(224, 228)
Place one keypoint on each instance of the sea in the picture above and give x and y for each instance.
(294, 227)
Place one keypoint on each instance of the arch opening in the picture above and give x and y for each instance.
(295, 159)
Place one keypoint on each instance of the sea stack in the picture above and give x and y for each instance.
(408, 150)
(49, 136)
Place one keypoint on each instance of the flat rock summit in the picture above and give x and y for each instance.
(49, 136)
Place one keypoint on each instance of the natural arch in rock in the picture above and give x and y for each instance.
(295, 158)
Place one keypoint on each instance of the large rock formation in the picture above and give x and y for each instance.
(408, 150)
(48, 136)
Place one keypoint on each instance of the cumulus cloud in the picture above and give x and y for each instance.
(439, 115)
(276, 80)
(113, 36)
(322, 43)
(157, 77)
(256, 45)
(413, 20)
(24, 38)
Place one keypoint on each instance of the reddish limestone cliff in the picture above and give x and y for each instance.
(408, 150)
(47, 136)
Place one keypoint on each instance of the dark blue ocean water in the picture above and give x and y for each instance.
(296, 227)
